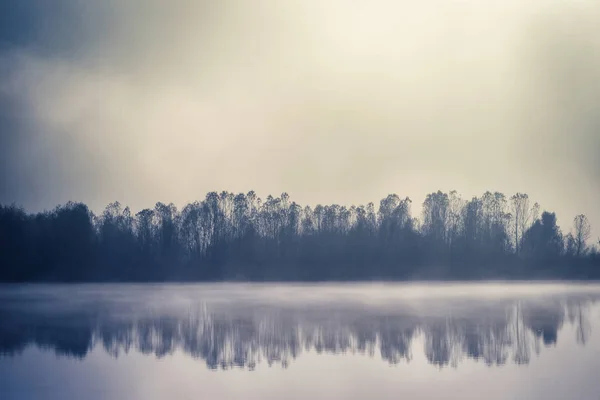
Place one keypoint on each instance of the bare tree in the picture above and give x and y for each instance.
(523, 215)
(455, 210)
(582, 233)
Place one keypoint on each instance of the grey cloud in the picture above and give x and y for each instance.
(331, 101)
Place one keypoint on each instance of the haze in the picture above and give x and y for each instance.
(331, 101)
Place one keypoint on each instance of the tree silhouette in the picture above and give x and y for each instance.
(231, 236)
(582, 231)
(523, 216)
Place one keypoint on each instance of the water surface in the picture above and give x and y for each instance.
(272, 341)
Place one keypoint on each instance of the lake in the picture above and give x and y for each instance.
(323, 341)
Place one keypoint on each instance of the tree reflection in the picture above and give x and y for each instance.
(243, 335)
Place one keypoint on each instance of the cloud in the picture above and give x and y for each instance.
(332, 101)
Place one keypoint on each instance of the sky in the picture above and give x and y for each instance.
(330, 101)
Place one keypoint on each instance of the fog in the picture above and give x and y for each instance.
(329, 100)
(493, 341)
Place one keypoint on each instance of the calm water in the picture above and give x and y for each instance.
(246, 341)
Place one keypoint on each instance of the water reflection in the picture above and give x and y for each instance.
(248, 326)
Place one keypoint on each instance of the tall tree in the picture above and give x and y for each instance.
(544, 238)
(523, 215)
(436, 217)
(582, 232)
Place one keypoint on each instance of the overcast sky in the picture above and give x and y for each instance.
(331, 101)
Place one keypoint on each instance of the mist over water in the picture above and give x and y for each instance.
(490, 332)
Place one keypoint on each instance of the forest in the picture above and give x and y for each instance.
(239, 237)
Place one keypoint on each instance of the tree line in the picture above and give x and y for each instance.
(231, 236)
